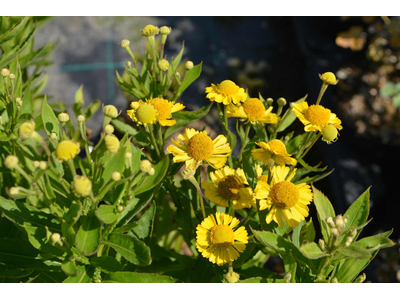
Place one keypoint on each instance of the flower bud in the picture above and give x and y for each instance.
(348, 241)
(334, 280)
(339, 222)
(152, 172)
(67, 150)
(232, 277)
(19, 101)
(109, 129)
(128, 155)
(11, 76)
(63, 117)
(163, 64)
(281, 101)
(55, 237)
(329, 78)
(112, 143)
(330, 134)
(53, 136)
(116, 176)
(149, 30)
(14, 191)
(353, 233)
(165, 30)
(129, 64)
(36, 164)
(177, 74)
(11, 161)
(269, 101)
(321, 244)
(124, 44)
(189, 65)
(188, 173)
(330, 222)
(43, 165)
(145, 166)
(361, 278)
(81, 119)
(26, 130)
(5, 72)
(287, 277)
(110, 111)
(120, 208)
(335, 232)
(82, 186)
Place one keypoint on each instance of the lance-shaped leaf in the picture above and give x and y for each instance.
(107, 213)
(107, 264)
(49, 119)
(88, 237)
(324, 210)
(312, 251)
(132, 277)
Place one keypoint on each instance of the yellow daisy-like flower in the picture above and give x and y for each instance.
(315, 117)
(252, 110)
(195, 147)
(228, 184)
(154, 110)
(218, 241)
(67, 150)
(275, 149)
(283, 197)
(226, 92)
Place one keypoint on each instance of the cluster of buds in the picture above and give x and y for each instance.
(337, 226)
(146, 167)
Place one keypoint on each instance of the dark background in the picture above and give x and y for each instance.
(274, 56)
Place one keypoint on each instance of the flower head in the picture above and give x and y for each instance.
(228, 184)
(329, 78)
(26, 130)
(149, 30)
(274, 149)
(218, 241)
(163, 64)
(82, 186)
(315, 117)
(112, 143)
(67, 150)
(282, 197)
(226, 92)
(154, 110)
(124, 44)
(194, 147)
(252, 110)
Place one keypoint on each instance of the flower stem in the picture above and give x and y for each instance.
(153, 139)
(244, 142)
(321, 92)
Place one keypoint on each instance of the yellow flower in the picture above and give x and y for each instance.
(283, 197)
(315, 117)
(226, 92)
(252, 110)
(228, 184)
(274, 149)
(67, 150)
(259, 173)
(82, 186)
(153, 110)
(112, 143)
(218, 241)
(195, 147)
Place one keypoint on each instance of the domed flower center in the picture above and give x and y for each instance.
(285, 194)
(222, 236)
(229, 187)
(277, 146)
(254, 109)
(317, 115)
(146, 113)
(163, 108)
(228, 87)
(200, 146)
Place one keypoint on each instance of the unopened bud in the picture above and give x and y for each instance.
(348, 241)
(5, 72)
(339, 221)
(231, 277)
(330, 134)
(82, 186)
(281, 101)
(120, 208)
(26, 130)
(63, 118)
(53, 136)
(189, 65)
(128, 155)
(330, 222)
(152, 172)
(109, 129)
(163, 64)
(177, 74)
(269, 101)
(55, 237)
(329, 78)
(36, 164)
(335, 232)
(129, 64)
(19, 101)
(112, 143)
(149, 30)
(43, 165)
(145, 166)
(124, 44)
(11, 161)
(353, 233)
(165, 30)
(11, 76)
(321, 244)
(81, 119)
(361, 278)
(14, 191)
(110, 111)
(116, 176)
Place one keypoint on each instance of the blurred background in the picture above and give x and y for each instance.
(277, 57)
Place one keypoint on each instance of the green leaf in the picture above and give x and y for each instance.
(151, 181)
(324, 210)
(190, 77)
(357, 214)
(132, 277)
(373, 243)
(79, 95)
(83, 276)
(14, 31)
(262, 280)
(354, 251)
(14, 272)
(307, 233)
(39, 238)
(107, 264)
(294, 143)
(132, 249)
(176, 61)
(315, 178)
(69, 267)
(91, 109)
(145, 224)
(116, 164)
(184, 118)
(74, 213)
(107, 214)
(50, 120)
(312, 251)
(308, 167)
(290, 266)
(88, 237)
(289, 117)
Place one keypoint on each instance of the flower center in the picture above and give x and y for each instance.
(229, 187)
(285, 194)
(277, 146)
(200, 146)
(221, 236)
(146, 113)
(317, 115)
(228, 87)
(163, 108)
(254, 108)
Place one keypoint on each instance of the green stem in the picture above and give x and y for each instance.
(244, 142)
(153, 139)
(312, 144)
(321, 92)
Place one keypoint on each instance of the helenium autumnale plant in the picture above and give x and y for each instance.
(156, 200)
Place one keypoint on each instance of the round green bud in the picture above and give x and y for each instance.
(63, 117)
(269, 101)
(149, 30)
(281, 101)
(11, 161)
(19, 101)
(26, 130)
(165, 30)
(43, 165)
(82, 186)
(116, 176)
(129, 64)
(112, 143)
(145, 166)
(124, 44)
(36, 164)
(110, 111)
(109, 129)
(330, 134)
(329, 78)
(14, 191)
(81, 119)
(120, 208)
(11, 76)
(54, 136)
(189, 65)
(55, 237)
(163, 64)
(5, 72)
